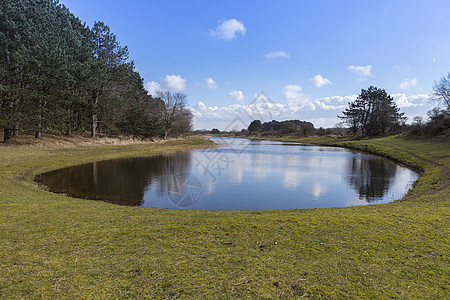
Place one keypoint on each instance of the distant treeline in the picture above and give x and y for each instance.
(57, 75)
(373, 114)
(276, 128)
(294, 128)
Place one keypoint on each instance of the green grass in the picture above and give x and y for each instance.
(53, 246)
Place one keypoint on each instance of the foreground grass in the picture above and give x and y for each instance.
(53, 246)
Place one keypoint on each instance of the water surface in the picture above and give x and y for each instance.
(240, 175)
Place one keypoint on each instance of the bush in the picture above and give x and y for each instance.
(438, 124)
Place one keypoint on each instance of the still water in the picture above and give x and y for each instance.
(240, 175)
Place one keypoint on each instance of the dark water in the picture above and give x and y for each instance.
(240, 175)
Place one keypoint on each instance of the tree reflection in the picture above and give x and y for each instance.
(370, 177)
(120, 181)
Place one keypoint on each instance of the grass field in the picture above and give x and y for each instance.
(53, 246)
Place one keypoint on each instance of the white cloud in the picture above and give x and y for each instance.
(216, 112)
(210, 83)
(365, 71)
(296, 107)
(153, 87)
(325, 106)
(295, 100)
(338, 99)
(407, 84)
(228, 29)
(236, 95)
(334, 102)
(174, 83)
(264, 108)
(325, 121)
(319, 81)
(244, 111)
(273, 55)
(404, 101)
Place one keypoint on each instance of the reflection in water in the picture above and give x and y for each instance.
(121, 181)
(241, 175)
(292, 179)
(318, 189)
(370, 177)
(184, 189)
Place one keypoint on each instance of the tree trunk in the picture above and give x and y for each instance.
(94, 125)
(94, 118)
(7, 135)
(69, 123)
(15, 132)
(38, 133)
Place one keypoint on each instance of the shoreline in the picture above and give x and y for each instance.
(54, 246)
(396, 155)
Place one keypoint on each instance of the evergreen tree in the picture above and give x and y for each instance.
(255, 126)
(14, 38)
(57, 75)
(109, 56)
(373, 113)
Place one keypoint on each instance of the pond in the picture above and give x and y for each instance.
(241, 174)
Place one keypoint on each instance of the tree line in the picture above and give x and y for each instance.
(372, 114)
(58, 75)
(281, 128)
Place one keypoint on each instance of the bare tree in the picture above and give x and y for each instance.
(182, 123)
(441, 90)
(176, 117)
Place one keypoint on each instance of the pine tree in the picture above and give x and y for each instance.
(109, 57)
(57, 75)
(373, 113)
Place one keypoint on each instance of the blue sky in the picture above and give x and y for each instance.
(281, 59)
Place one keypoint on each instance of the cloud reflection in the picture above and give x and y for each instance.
(318, 189)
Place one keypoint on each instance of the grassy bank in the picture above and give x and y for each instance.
(53, 246)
